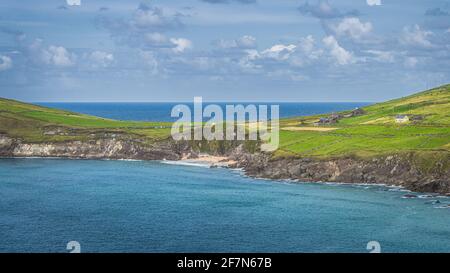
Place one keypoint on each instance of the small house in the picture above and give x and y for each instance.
(401, 118)
(416, 118)
(358, 111)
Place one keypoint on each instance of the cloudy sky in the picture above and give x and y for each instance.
(232, 50)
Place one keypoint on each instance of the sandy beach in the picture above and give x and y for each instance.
(211, 160)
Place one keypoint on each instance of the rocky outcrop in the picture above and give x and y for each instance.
(113, 148)
(391, 170)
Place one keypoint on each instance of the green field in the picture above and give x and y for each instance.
(373, 133)
(40, 124)
(376, 131)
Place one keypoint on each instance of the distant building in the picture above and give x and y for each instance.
(401, 118)
(358, 111)
(416, 118)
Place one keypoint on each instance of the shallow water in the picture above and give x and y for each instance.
(139, 206)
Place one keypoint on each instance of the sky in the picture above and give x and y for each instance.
(222, 50)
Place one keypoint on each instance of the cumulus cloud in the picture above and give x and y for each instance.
(341, 56)
(416, 36)
(5, 63)
(373, 2)
(57, 56)
(352, 27)
(279, 51)
(382, 56)
(147, 29)
(100, 58)
(149, 17)
(306, 52)
(156, 39)
(73, 2)
(144, 19)
(181, 44)
(323, 10)
(282, 61)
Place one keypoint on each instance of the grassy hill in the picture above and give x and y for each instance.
(40, 124)
(372, 133)
(375, 131)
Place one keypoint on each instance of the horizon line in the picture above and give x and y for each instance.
(207, 101)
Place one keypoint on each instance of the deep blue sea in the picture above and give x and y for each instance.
(138, 206)
(161, 111)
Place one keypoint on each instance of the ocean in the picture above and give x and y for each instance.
(139, 206)
(161, 111)
(142, 206)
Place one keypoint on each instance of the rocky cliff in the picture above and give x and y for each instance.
(399, 170)
(113, 148)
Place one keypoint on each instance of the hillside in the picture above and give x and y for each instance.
(372, 133)
(375, 131)
(36, 124)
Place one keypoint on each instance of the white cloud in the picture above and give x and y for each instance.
(305, 52)
(181, 44)
(410, 62)
(51, 55)
(341, 55)
(73, 2)
(373, 2)
(352, 27)
(306, 44)
(5, 63)
(382, 56)
(58, 56)
(247, 64)
(101, 58)
(416, 36)
(148, 17)
(155, 38)
(279, 52)
(247, 41)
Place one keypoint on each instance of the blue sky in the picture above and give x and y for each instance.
(231, 50)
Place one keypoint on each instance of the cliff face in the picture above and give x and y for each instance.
(94, 149)
(390, 170)
(393, 170)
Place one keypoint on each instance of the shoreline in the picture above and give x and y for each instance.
(212, 161)
(393, 170)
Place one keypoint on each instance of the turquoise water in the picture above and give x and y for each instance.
(122, 206)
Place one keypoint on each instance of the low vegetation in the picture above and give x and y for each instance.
(376, 130)
(373, 132)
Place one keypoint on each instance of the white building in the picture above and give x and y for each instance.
(401, 118)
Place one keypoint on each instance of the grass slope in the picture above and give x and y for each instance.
(40, 124)
(376, 132)
(373, 133)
